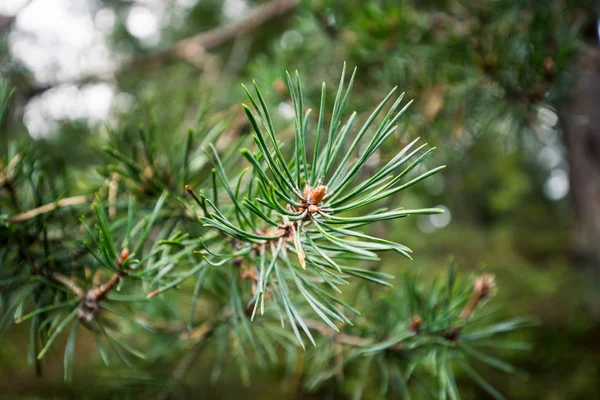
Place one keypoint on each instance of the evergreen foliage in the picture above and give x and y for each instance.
(189, 245)
(269, 250)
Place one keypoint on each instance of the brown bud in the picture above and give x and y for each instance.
(453, 334)
(415, 324)
(483, 286)
(315, 196)
(313, 209)
(124, 256)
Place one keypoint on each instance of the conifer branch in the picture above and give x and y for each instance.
(67, 282)
(277, 243)
(46, 208)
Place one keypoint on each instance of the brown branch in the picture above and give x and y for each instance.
(95, 295)
(483, 286)
(6, 175)
(113, 186)
(195, 46)
(339, 337)
(69, 201)
(193, 49)
(68, 282)
(482, 289)
(100, 292)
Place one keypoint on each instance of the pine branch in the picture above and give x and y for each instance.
(291, 219)
(46, 208)
(482, 289)
(284, 235)
(339, 337)
(193, 48)
(68, 283)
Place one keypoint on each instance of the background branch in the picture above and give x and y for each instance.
(69, 201)
(193, 49)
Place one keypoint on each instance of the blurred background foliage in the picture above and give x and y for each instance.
(496, 89)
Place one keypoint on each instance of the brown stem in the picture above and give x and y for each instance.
(68, 282)
(483, 285)
(94, 296)
(99, 293)
(113, 186)
(195, 46)
(69, 201)
(469, 307)
(339, 337)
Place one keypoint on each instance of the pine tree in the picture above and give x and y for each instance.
(275, 244)
(261, 240)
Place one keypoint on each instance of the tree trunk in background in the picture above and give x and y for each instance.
(581, 124)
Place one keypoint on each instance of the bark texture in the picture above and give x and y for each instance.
(581, 124)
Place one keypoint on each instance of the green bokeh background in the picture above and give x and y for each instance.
(478, 71)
